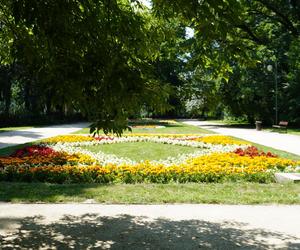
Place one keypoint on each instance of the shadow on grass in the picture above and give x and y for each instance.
(4, 131)
(8, 150)
(37, 191)
(91, 231)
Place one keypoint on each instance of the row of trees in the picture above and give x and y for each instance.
(235, 43)
(110, 59)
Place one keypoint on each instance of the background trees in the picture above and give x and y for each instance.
(109, 59)
(236, 40)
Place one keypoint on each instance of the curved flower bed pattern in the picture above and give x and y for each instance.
(217, 158)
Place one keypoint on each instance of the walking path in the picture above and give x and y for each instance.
(188, 226)
(16, 137)
(285, 142)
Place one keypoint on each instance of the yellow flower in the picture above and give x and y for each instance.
(220, 139)
(68, 138)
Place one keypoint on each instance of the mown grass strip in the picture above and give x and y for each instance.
(210, 193)
(177, 128)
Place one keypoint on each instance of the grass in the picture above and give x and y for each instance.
(177, 128)
(142, 150)
(214, 193)
(8, 129)
(217, 193)
(9, 150)
(277, 152)
(110, 149)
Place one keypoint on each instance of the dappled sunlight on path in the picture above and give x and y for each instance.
(84, 226)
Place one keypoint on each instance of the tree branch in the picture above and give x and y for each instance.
(284, 20)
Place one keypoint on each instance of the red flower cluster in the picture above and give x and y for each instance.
(252, 152)
(34, 151)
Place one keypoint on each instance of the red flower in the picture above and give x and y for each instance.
(34, 150)
(252, 152)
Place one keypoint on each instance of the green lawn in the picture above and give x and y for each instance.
(8, 129)
(132, 150)
(9, 150)
(277, 152)
(139, 151)
(223, 193)
(178, 128)
(217, 193)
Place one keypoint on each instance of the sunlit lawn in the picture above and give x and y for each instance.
(223, 193)
(177, 128)
(139, 151)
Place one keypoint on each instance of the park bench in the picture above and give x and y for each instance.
(281, 125)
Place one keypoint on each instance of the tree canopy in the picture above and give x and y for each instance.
(110, 59)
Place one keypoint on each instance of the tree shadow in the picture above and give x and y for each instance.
(5, 145)
(91, 231)
(6, 149)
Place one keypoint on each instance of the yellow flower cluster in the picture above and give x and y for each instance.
(68, 138)
(220, 139)
(214, 167)
(232, 163)
(218, 163)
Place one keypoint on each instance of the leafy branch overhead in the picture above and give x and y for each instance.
(111, 60)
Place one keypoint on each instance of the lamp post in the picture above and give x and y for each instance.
(270, 68)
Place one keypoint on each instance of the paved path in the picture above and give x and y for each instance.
(95, 226)
(285, 142)
(13, 138)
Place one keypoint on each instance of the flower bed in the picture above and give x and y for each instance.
(217, 158)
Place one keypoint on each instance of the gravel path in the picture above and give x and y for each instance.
(95, 226)
(285, 142)
(13, 138)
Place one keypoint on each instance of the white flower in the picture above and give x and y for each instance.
(105, 159)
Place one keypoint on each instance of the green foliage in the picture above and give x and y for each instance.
(90, 56)
(110, 59)
(234, 42)
(88, 174)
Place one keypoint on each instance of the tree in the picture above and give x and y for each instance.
(235, 40)
(93, 55)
